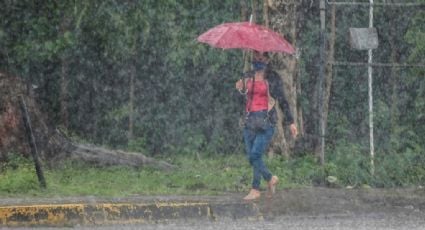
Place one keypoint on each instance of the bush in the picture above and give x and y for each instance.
(352, 166)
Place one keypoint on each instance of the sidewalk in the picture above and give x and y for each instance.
(73, 211)
(139, 209)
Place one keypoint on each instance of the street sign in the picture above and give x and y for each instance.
(363, 38)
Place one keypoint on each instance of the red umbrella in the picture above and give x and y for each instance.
(246, 35)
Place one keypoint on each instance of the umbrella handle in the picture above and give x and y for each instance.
(297, 53)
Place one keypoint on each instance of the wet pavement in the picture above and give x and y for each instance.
(308, 208)
(381, 221)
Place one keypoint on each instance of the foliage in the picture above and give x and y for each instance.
(415, 102)
(351, 165)
(101, 41)
(397, 91)
(185, 98)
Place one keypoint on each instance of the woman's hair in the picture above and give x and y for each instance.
(264, 54)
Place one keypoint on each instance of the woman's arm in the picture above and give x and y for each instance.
(276, 91)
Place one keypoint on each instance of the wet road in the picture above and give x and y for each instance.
(371, 221)
(315, 209)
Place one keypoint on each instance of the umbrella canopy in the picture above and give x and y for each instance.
(246, 35)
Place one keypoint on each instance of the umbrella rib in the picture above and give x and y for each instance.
(221, 35)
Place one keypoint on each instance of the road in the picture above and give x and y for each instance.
(369, 222)
(308, 208)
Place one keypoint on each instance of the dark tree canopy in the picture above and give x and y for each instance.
(130, 75)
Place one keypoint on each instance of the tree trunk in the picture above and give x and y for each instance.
(132, 73)
(266, 13)
(328, 74)
(283, 19)
(53, 146)
(394, 83)
(63, 94)
(63, 97)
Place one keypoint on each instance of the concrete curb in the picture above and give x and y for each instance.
(122, 213)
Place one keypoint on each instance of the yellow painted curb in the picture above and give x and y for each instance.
(105, 213)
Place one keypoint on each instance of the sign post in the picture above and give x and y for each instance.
(367, 39)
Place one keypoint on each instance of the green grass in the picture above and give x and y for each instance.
(208, 176)
(220, 174)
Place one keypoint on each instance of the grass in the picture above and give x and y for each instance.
(209, 176)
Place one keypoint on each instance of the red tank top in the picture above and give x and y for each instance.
(260, 97)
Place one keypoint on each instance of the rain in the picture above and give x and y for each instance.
(131, 76)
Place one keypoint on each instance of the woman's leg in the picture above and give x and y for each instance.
(256, 144)
(250, 137)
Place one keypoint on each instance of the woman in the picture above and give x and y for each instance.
(263, 89)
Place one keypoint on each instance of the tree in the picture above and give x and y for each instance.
(283, 19)
(130, 74)
(97, 60)
(53, 146)
(126, 37)
(415, 37)
(328, 79)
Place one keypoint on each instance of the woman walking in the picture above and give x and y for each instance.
(263, 88)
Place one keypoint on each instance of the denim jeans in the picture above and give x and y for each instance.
(256, 143)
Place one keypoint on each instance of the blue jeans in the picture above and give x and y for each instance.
(256, 143)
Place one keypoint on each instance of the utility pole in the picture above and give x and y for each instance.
(321, 81)
(370, 71)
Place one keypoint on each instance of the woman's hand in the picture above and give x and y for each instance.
(294, 130)
(239, 85)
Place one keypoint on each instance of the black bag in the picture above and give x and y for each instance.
(257, 121)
